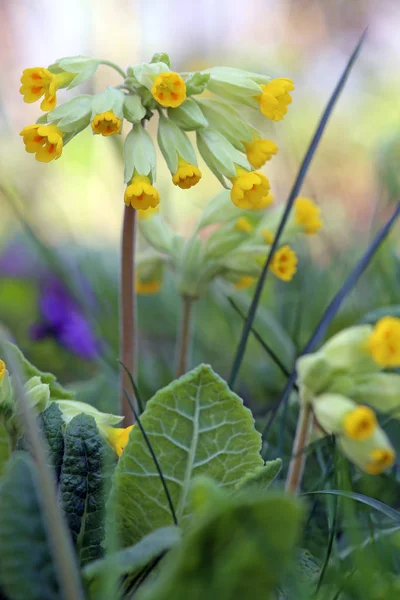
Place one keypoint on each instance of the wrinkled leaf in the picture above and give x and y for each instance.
(262, 477)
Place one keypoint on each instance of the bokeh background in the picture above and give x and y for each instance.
(64, 218)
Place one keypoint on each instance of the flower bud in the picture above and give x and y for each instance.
(37, 393)
(314, 372)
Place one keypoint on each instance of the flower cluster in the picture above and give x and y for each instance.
(202, 102)
(345, 382)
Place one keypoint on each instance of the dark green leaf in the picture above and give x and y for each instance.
(52, 425)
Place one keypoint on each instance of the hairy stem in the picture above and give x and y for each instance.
(128, 311)
(185, 331)
(301, 440)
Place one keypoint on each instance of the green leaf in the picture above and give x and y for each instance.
(82, 486)
(196, 426)
(84, 66)
(196, 83)
(5, 450)
(261, 478)
(161, 57)
(53, 425)
(26, 568)
(240, 547)
(130, 561)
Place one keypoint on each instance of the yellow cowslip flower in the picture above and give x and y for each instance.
(244, 225)
(147, 287)
(268, 236)
(360, 423)
(284, 263)
(3, 369)
(149, 212)
(118, 437)
(380, 459)
(384, 342)
(187, 175)
(307, 215)
(258, 151)
(169, 89)
(45, 141)
(106, 124)
(265, 201)
(249, 188)
(244, 282)
(140, 194)
(275, 98)
(38, 82)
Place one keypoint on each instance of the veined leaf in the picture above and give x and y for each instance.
(196, 426)
(262, 477)
(26, 567)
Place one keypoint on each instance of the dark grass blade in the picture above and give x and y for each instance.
(384, 509)
(135, 388)
(292, 196)
(154, 457)
(334, 306)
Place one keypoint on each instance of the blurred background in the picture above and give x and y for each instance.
(61, 222)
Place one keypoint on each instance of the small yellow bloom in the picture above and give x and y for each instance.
(149, 212)
(2, 369)
(380, 459)
(384, 342)
(259, 151)
(284, 263)
(249, 188)
(45, 141)
(360, 423)
(118, 437)
(244, 225)
(169, 89)
(106, 124)
(266, 201)
(140, 194)
(275, 98)
(268, 236)
(38, 82)
(244, 282)
(307, 215)
(147, 287)
(187, 175)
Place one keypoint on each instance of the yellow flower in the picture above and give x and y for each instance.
(244, 282)
(2, 369)
(147, 287)
(149, 212)
(275, 98)
(243, 224)
(380, 459)
(268, 236)
(284, 263)
(266, 201)
(307, 215)
(45, 141)
(187, 175)
(140, 194)
(384, 342)
(169, 89)
(118, 437)
(106, 123)
(249, 188)
(38, 82)
(360, 423)
(259, 151)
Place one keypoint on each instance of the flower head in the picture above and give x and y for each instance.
(265, 201)
(284, 263)
(275, 98)
(106, 124)
(38, 82)
(307, 215)
(268, 236)
(380, 459)
(187, 175)
(249, 188)
(118, 437)
(360, 423)
(244, 282)
(169, 89)
(45, 141)
(140, 194)
(373, 455)
(384, 342)
(144, 288)
(3, 369)
(243, 224)
(259, 151)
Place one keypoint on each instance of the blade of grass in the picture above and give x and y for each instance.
(292, 196)
(135, 388)
(384, 509)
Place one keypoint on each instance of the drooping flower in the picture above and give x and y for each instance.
(244, 282)
(243, 224)
(284, 263)
(106, 124)
(259, 151)
(265, 201)
(384, 342)
(45, 141)
(3, 369)
(118, 437)
(373, 455)
(249, 188)
(144, 288)
(140, 194)
(187, 175)
(169, 89)
(360, 423)
(275, 98)
(307, 215)
(38, 82)
(268, 236)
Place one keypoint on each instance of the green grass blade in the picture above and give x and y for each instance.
(384, 509)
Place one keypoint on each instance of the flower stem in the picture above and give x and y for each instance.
(298, 461)
(109, 63)
(185, 330)
(128, 311)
